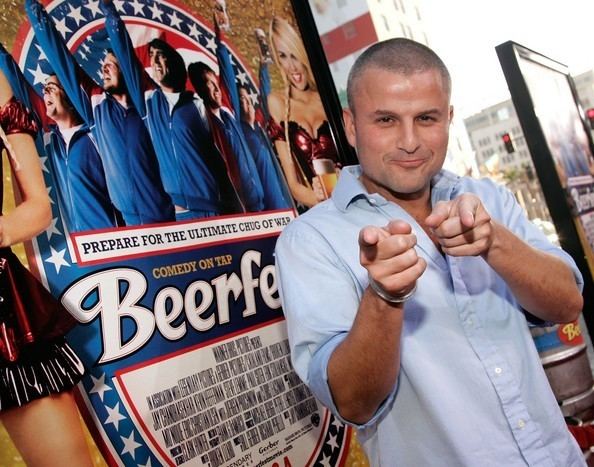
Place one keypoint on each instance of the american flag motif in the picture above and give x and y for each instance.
(114, 428)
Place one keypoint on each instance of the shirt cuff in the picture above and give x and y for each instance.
(318, 383)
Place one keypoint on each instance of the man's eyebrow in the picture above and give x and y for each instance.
(385, 112)
(431, 111)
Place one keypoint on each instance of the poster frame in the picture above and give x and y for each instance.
(511, 55)
(323, 76)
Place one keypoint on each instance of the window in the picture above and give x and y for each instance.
(503, 114)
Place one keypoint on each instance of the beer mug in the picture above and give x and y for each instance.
(325, 170)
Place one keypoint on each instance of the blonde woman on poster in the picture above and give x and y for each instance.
(37, 367)
(298, 126)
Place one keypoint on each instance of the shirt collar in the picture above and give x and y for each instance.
(349, 188)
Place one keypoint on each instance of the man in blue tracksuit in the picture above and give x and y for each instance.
(130, 163)
(192, 169)
(276, 192)
(77, 165)
(80, 184)
(227, 130)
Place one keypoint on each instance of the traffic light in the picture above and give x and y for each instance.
(507, 142)
(590, 116)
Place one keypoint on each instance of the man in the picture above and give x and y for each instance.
(193, 171)
(227, 132)
(276, 193)
(129, 159)
(405, 292)
(228, 137)
(76, 164)
(81, 189)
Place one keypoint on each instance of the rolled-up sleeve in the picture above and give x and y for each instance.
(515, 218)
(320, 298)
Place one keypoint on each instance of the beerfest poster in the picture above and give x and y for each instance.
(180, 322)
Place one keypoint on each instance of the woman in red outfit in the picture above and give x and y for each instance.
(299, 126)
(37, 367)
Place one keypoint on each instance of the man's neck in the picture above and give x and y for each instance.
(122, 98)
(67, 122)
(418, 208)
(166, 88)
(216, 111)
(418, 205)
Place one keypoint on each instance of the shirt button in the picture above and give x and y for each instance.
(498, 371)
(372, 201)
(521, 423)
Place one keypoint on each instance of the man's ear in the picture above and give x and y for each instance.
(349, 126)
(451, 113)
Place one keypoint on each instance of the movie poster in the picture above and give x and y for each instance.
(560, 145)
(179, 138)
(567, 139)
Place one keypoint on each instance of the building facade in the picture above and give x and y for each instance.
(584, 85)
(506, 161)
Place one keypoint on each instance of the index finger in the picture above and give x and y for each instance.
(369, 236)
(440, 212)
(467, 209)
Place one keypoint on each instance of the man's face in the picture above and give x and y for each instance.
(159, 64)
(213, 90)
(247, 108)
(112, 76)
(399, 126)
(54, 99)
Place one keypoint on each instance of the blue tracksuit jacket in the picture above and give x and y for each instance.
(192, 169)
(129, 160)
(80, 184)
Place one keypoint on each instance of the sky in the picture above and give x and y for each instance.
(465, 32)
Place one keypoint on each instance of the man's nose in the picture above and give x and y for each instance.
(408, 140)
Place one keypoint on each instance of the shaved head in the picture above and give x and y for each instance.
(399, 55)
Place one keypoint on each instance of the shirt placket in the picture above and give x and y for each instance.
(524, 430)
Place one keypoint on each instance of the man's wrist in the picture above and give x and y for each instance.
(388, 297)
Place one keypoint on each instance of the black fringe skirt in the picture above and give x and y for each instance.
(42, 369)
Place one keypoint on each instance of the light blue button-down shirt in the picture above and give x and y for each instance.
(471, 389)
